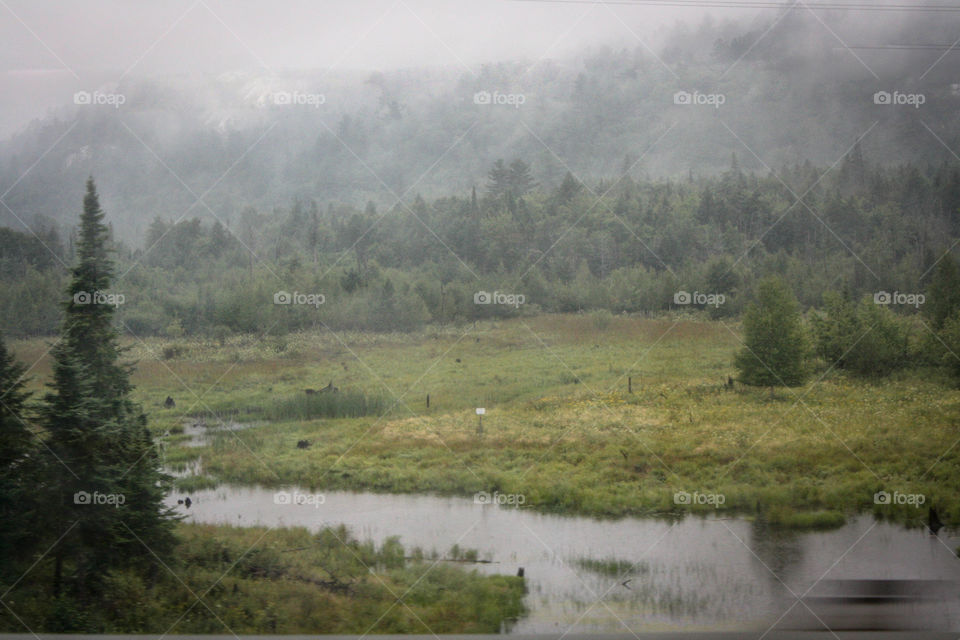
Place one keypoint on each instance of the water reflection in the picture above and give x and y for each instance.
(591, 575)
(778, 550)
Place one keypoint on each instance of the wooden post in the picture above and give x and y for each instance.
(629, 384)
(428, 401)
(480, 412)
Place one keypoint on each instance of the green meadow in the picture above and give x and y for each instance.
(561, 426)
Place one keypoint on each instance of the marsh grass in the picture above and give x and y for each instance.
(342, 404)
(612, 567)
(814, 453)
(194, 483)
(283, 581)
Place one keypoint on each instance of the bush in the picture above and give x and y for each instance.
(775, 346)
(882, 346)
(867, 339)
(835, 329)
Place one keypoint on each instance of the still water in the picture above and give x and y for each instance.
(630, 574)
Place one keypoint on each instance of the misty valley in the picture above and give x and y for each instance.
(539, 317)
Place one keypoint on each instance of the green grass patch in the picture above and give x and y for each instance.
(278, 581)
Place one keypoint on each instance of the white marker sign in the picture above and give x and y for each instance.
(481, 411)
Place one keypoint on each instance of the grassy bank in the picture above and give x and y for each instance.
(561, 427)
(255, 580)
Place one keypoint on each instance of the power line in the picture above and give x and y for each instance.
(905, 47)
(765, 4)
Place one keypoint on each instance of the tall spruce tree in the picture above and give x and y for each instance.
(104, 479)
(17, 468)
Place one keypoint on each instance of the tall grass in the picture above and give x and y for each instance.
(341, 404)
(612, 567)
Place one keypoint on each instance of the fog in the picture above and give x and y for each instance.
(398, 79)
(648, 304)
(54, 48)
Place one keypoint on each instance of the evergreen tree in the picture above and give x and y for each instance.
(568, 189)
(943, 293)
(775, 347)
(219, 240)
(99, 439)
(17, 467)
(498, 179)
(520, 178)
(950, 335)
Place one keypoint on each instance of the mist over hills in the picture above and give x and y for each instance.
(779, 90)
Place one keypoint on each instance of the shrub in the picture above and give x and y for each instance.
(775, 346)
(866, 339)
(882, 345)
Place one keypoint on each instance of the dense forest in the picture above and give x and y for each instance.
(620, 245)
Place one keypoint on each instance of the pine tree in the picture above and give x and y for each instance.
(775, 347)
(17, 467)
(98, 436)
(498, 180)
(568, 189)
(520, 178)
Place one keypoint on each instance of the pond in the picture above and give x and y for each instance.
(636, 574)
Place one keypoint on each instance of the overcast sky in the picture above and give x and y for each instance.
(175, 35)
(51, 48)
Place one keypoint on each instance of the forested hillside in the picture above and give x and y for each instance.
(247, 139)
(621, 245)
